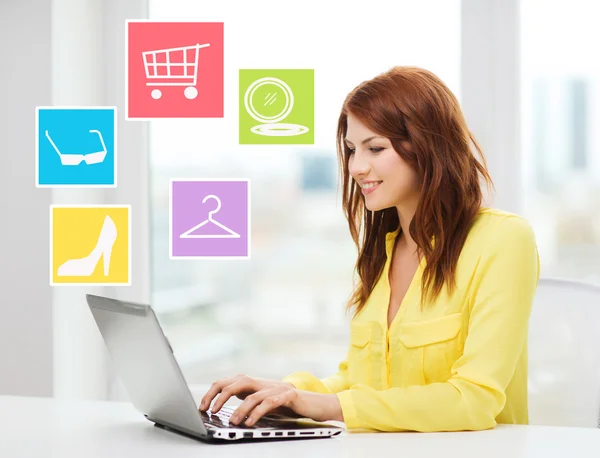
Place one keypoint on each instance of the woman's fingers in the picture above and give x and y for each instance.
(262, 402)
(250, 403)
(245, 386)
(240, 385)
(214, 389)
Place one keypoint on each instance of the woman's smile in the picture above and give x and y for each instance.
(370, 187)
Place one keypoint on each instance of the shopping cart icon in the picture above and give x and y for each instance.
(172, 67)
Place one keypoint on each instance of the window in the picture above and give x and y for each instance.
(284, 309)
(560, 125)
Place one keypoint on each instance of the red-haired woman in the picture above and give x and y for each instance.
(438, 338)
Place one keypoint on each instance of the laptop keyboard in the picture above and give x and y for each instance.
(221, 420)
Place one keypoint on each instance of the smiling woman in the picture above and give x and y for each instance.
(446, 285)
(438, 341)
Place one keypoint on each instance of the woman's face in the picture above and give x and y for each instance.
(385, 179)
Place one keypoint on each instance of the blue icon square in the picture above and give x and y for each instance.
(75, 147)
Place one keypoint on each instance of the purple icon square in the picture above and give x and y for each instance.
(210, 219)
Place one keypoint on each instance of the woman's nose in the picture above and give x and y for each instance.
(358, 165)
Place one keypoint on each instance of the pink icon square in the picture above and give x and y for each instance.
(174, 70)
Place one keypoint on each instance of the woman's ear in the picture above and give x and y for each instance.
(406, 145)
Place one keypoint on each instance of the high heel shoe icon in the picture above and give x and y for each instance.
(84, 267)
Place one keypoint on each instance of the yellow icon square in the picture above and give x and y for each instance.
(90, 245)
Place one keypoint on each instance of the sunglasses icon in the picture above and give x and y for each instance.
(76, 159)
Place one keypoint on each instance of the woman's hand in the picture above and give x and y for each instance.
(265, 396)
(240, 386)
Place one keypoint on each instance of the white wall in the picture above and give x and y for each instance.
(25, 294)
(61, 52)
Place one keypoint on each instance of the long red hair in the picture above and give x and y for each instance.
(410, 104)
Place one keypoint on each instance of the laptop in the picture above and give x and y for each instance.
(144, 360)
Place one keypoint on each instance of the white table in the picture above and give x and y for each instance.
(45, 427)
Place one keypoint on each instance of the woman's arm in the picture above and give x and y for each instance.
(504, 289)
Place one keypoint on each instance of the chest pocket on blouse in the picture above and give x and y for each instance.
(433, 345)
(360, 357)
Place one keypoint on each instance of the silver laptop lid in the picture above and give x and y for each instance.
(145, 362)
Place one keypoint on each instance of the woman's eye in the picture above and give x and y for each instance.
(372, 149)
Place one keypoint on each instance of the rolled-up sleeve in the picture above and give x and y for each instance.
(328, 385)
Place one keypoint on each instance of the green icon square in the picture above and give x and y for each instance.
(277, 107)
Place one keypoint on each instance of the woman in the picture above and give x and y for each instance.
(438, 340)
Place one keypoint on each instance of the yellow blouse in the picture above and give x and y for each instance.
(460, 363)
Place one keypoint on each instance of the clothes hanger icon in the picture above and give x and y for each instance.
(231, 235)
